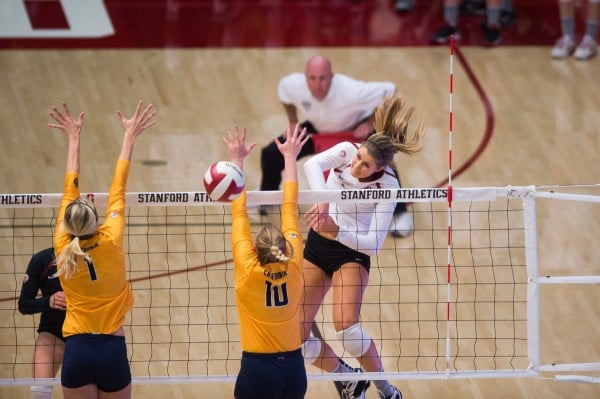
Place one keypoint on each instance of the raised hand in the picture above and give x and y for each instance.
(133, 126)
(294, 141)
(236, 146)
(65, 121)
(138, 122)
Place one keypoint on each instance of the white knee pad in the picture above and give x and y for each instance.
(356, 341)
(40, 392)
(311, 349)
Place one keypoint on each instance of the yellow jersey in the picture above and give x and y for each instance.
(268, 298)
(98, 295)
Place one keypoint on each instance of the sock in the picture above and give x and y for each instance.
(591, 28)
(451, 15)
(40, 392)
(342, 367)
(567, 25)
(384, 387)
(493, 17)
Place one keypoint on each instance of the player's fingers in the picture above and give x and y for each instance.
(66, 107)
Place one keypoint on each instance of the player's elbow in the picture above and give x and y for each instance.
(23, 308)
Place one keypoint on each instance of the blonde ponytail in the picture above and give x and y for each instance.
(271, 245)
(69, 259)
(80, 220)
(279, 255)
(391, 135)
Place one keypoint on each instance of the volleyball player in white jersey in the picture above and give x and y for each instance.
(331, 103)
(343, 236)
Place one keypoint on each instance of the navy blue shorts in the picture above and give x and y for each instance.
(329, 255)
(96, 359)
(271, 376)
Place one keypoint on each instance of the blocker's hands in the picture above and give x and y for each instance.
(139, 122)
(236, 146)
(70, 126)
(294, 141)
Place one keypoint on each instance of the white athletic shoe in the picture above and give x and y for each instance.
(402, 224)
(564, 47)
(586, 49)
(355, 389)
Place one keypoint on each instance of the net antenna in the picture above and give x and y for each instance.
(450, 131)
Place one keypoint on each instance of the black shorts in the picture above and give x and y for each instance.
(329, 255)
(271, 376)
(57, 332)
(96, 359)
(51, 321)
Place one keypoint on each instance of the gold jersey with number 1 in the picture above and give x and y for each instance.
(98, 294)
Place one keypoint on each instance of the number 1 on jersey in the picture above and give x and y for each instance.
(92, 270)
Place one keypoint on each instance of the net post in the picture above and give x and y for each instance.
(532, 266)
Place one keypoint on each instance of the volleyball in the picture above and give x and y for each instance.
(224, 181)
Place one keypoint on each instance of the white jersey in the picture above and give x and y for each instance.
(363, 226)
(348, 102)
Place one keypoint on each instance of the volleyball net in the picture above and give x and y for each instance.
(476, 313)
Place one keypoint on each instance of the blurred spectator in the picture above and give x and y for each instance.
(404, 5)
(452, 9)
(565, 46)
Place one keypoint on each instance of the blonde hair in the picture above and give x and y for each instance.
(271, 245)
(391, 132)
(80, 221)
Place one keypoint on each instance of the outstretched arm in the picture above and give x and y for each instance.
(289, 149)
(134, 126)
(241, 238)
(71, 127)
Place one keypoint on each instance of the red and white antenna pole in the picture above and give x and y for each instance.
(450, 129)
